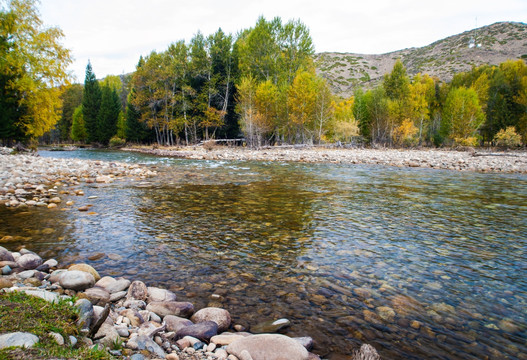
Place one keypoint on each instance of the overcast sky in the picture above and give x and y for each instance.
(114, 33)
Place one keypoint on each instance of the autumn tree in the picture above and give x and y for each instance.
(71, 99)
(345, 126)
(302, 105)
(462, 116)
(33, 66)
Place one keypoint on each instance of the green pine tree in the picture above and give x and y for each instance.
(108, 114)
(91, 104)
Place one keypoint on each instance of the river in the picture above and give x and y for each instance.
(419, 263)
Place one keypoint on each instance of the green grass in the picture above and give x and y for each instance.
(20, 312)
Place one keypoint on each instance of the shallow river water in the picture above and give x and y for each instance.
(419, 263)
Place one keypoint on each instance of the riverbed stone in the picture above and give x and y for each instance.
(174, 323)
(109, 335)
(133, 315)
(86, 268)
(76, 280)
(270, 326)
(97, 295)
(225, 339)
(158, 294)
(269, 347)
(5, 283)
(386, 313)
(177, 308)
(18, 339)
(43, 294)
(137, 291)
(220, 316)
(202, 331)
(86, 313)
(5, 255)
(29, 261)
(113, 285)
(117, 296)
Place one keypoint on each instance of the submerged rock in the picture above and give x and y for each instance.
(270, 326)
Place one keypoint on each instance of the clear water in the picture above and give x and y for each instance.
(419, 263)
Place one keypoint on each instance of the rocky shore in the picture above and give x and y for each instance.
(30, 180)
(480, 160)
(134, 321)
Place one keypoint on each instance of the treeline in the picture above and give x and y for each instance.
(263, 87)
(260, 85)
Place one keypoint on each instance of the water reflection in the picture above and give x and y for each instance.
(420, 263)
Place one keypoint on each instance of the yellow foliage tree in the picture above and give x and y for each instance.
(345, 126)
(405, 134)
(34, 66)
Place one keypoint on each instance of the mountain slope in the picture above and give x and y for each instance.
(492, 44)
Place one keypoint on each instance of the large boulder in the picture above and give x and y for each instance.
(220, 316)
(29, 261)
(269, 347)
(203, 331)
(164, 308)
(97, 295)
(108, 335)
(76, 280)
(86, 268)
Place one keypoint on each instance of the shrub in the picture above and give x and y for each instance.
(117, 141)
(508, 138)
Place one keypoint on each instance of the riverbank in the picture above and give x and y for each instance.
(478, 161)
(28, 180)
(134, 321)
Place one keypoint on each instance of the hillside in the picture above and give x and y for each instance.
(491, 44)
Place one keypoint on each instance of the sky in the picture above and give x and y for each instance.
(113, 34)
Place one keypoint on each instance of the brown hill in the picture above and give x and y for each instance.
(492, 44)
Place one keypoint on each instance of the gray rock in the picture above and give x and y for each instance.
(6, 270)
(137, 357)
(55, 275)
(113, 285)
(18, 339)
(220, 316)
(269, 347)
(143, 342)
(157, 294)
(134, 304)
(76, 280)
(51, 263)
(86, 313)
(137, 291)
(133, 315)
(109, 335)
(73, 341)
(57, 337)
(5, 255)
(25, 274)
(29, 261)
(366, 352)
(174, 323)
(202, 331)
(43, 294)
(164, 308)
(305, 341)
(117, 296)
(97, 295)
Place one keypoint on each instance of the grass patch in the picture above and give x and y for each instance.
(20, 312)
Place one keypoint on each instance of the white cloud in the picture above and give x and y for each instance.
(114, 33)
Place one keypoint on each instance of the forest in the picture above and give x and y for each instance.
(259, 85)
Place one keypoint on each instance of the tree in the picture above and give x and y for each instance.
(421, 99)
(108, 114)
(345, 127)
(33, 66)
(71, 99)
(462, 116)
(121, 126)
(246, 109)
(302, 105)
(91, 103)
(78, 129)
